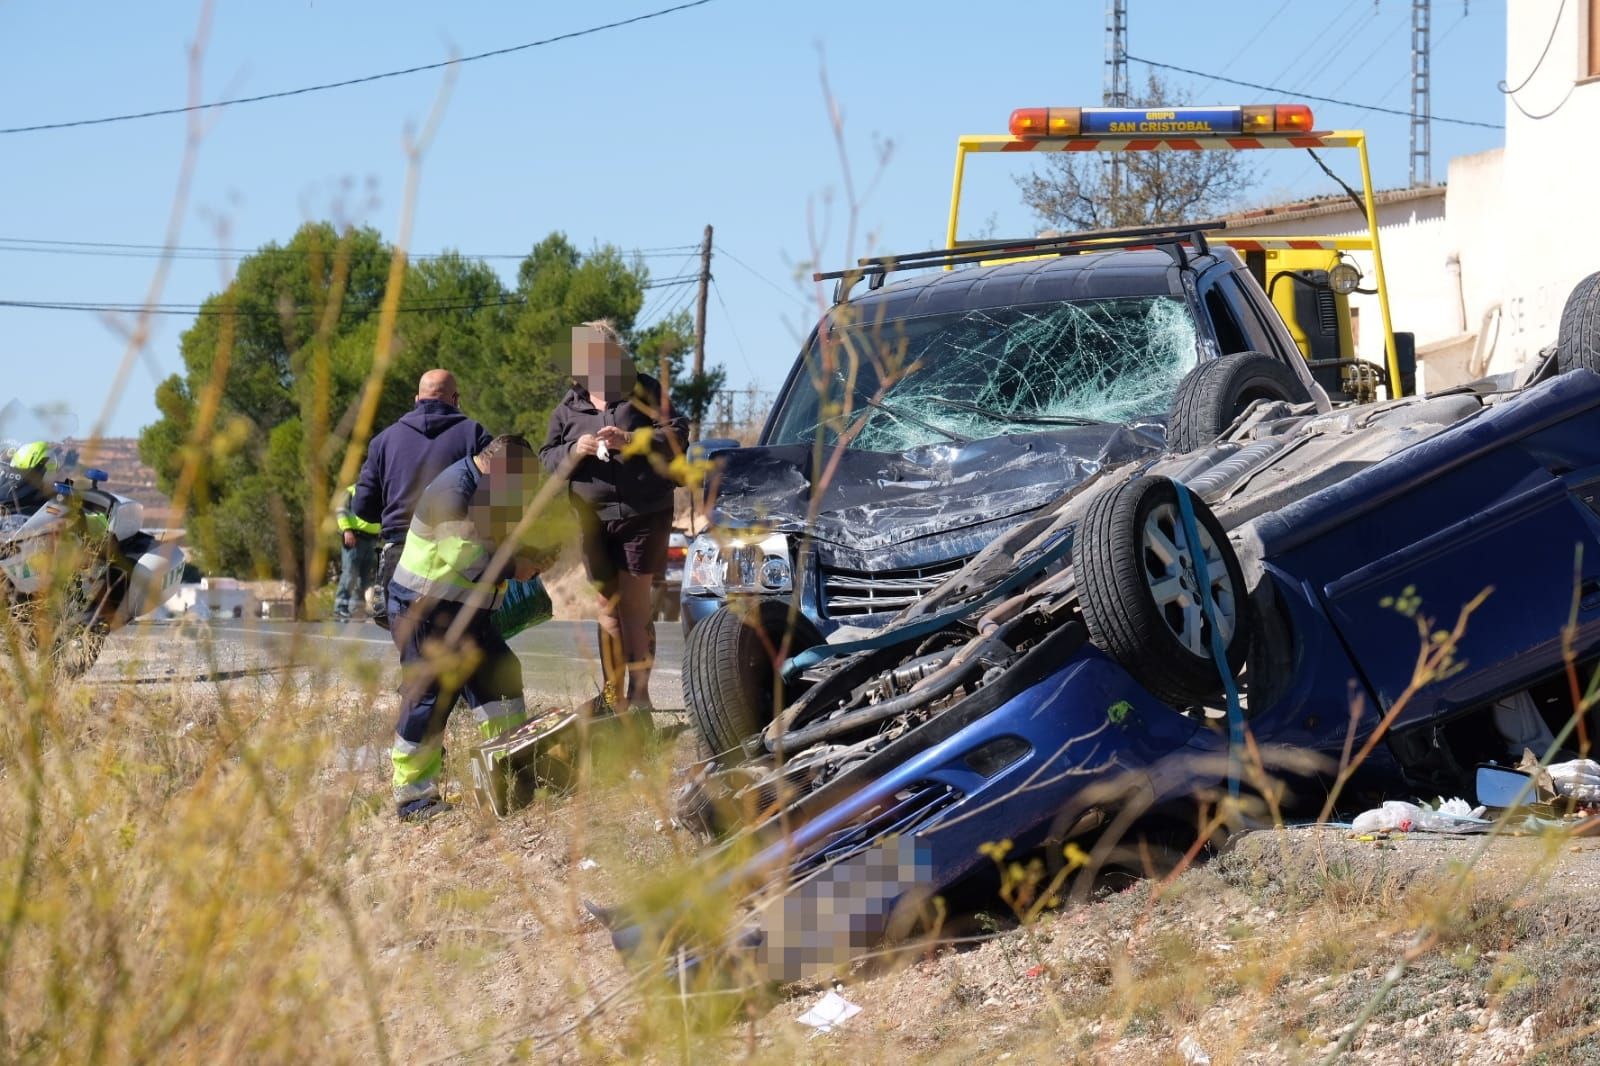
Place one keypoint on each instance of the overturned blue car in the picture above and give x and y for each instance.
(1370, 599)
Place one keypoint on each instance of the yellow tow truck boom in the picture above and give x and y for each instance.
(1195, 129)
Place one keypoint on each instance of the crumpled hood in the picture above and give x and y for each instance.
(432, 418)
(872, 499)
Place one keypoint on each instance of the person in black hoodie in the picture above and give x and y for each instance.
(612, 437)
(404, 458)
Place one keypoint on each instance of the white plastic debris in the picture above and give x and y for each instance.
(829, 1012)
(1453, 816)
(1193, 1054)
(588, 864)
(1579, 779)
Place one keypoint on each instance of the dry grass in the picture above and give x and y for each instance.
(210, 873)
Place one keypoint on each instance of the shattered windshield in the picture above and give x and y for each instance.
(976, 374)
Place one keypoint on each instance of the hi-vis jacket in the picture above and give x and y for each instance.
(348, 519)
(452, 540)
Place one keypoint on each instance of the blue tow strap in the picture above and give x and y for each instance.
(1057, 547)
(1219, 653)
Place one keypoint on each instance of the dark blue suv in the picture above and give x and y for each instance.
(926, 417)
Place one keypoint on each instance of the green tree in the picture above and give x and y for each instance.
(557, 287)
(297, 330)
(1077, 191)
(272, 343)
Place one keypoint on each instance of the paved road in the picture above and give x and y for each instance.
(559, 659)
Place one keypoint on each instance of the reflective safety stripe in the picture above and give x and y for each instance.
(428, 789)
(349, 520)
(443, 562)
(416, 764)
(500, 716)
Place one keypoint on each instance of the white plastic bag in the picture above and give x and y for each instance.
(1453, 816)
(1579, 779)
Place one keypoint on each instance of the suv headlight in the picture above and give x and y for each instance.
(722, 562)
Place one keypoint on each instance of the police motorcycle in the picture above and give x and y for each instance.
(78, 568)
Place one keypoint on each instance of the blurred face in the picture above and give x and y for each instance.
(599, 362)
(512, 479)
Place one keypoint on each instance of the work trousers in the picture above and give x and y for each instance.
(358, 568)
(434, 673)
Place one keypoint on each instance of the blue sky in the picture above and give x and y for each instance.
(636, 137)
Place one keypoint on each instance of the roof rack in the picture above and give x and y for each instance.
(1170, 238)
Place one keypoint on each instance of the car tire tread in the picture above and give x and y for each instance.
(1209, 396)
(1578, 337)
(728, 674)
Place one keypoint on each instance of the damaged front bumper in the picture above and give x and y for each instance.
(860, 860)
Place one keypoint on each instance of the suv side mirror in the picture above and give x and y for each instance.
(703, 449)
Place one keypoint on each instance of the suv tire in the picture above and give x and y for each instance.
(1140, 606)
(1578, 342)
(1214, 394)
(730, 681)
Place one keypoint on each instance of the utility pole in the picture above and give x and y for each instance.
(1115, 92)
(1421, 96)
(700, 322)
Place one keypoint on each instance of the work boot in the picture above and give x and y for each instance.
(420, 810)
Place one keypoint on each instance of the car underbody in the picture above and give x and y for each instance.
(995, 709)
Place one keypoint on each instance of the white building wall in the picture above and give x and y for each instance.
(1483, 286)
(1550, 211)
(1422, 292)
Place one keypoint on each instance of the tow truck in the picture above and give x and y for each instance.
(1315, 304)
(929, 414)
(1115, 660)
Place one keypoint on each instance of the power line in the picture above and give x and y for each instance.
(1372, 54)
(214, 310)
(1329, 60)
(201, 311)
(1511, 94)
(1390, 88)
(116, 250)
(743, 355)
(1555, 25)
(686, 279)
(1312, 42)
(1266, 24)
(325, 86)
(790, 293)
(677, 303)
(1293, 94)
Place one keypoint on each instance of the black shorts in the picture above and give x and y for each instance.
(636, 545)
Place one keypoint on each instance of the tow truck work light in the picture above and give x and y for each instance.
(1135, 121)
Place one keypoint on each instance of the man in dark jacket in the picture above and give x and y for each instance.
(404, 458)
(612, 438)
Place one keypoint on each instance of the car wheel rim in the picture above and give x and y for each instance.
(1171, 568)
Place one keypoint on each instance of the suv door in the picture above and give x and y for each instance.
(1245, 322)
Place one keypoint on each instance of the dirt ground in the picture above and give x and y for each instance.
(1265, 954)
(465, 938)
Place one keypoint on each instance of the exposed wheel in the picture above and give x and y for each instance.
(1578, 342)
(730, 681)
(1138, 588)
(1215, 393)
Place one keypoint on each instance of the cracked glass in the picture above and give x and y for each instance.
(977, 374)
